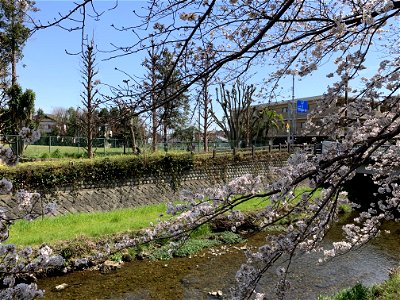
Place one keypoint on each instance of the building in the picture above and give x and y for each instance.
(294, 113)
(47, 124)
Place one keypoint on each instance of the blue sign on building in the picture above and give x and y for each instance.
(302, 106)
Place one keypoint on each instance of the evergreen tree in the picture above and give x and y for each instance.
(168, 108)
(265, 121)
(17, 114)
(13, 34)
(174, 112)
(19, 106)
(19, 110)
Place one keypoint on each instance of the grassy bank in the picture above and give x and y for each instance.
(388, 290)
(53, 229)
(67, 227)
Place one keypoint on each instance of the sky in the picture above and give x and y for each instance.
(55, 76)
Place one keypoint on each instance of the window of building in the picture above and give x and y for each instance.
(303, 124)
(284, 109)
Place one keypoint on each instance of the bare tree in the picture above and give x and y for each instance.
(60, 115)
(149, 91)
(237, 111)
(204, 58)
(89, 95)
(154, 97)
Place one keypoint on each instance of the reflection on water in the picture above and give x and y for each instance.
(193, 278)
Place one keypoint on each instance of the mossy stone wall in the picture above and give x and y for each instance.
(159, 187)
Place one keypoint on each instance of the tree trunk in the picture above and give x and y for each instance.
(205, 116)
(153, 100)
(13, 51)
(89, 133)
(14, 67)
(165, 130)
(154, 131)
(133, 137)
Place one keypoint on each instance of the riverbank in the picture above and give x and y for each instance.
(156, 253)
(101, 251)
(213, 269)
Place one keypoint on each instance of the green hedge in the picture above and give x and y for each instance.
(50, 175)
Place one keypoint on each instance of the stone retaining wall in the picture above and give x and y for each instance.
(150, 190)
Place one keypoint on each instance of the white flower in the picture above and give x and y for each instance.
(29, 136)
(45, 251)
(5, 186)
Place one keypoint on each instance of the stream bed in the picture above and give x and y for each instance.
(214, 269)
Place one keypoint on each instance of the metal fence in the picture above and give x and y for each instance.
(65, 146)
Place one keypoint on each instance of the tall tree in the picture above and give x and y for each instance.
(13, 36)
(17, 113)
(204, 59)
(174, 113)
(13, 33)
(266, 121)
(163, 81)
(89, 95)
(237, 111)
(150, 91)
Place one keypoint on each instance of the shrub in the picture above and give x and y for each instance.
(45, 155)
(229, 237)
(56, 154)
(357, 292)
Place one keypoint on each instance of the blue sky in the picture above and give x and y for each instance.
(55, 76)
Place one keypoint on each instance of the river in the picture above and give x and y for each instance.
(212, 270)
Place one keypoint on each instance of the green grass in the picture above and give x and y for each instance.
(40, 151)
(388, 290)
(71, 226)
(357, 292)
(201, 238)
(67, 227)
(190, 247)
(261, 202)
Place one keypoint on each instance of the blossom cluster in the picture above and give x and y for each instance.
(29, 136)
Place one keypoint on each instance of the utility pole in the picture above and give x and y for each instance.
(291, 122)
(294, 110)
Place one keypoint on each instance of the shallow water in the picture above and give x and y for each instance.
(213, 270)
